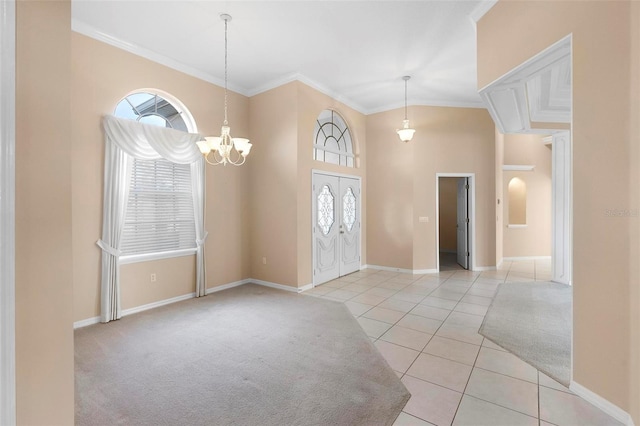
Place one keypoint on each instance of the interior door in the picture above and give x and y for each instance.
(463, 223)
(326, 228)
(349, 225)
(336, 226)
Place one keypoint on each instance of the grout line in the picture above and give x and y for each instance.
(469, 378)
(539, 420)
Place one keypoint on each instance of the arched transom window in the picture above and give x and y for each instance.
(332, 140)
(157, 108)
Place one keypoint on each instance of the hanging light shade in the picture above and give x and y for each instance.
(225, 149)
(406, 133)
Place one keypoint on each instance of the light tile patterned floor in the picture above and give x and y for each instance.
(426, 327)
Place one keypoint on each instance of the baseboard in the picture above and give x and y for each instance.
(86, 322)
(96, 320)
(130, 311)
(274, 285)
(517, 258)
(305, 287)
(499, 264)
(227, 286)
(404, 271)
(606, 406)
(157, 304)
(424, 271)
(389, 268)
(484, 268)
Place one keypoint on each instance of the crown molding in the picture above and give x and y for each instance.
(428, 103)
(480, 10)
(311, 83)
(517, 168)
(92, 32)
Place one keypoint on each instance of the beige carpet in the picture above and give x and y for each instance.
(533, 320)
(244, 356)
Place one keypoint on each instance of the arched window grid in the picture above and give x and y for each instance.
(332, 140)
(153, 106)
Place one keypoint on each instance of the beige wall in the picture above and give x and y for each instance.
(44, 285)
(448, 214)
(401, 181)
(283, 120)
(390, 228)
(508, 35)
(101, 76)
(535, 239)
(634, 253)
(273, 189)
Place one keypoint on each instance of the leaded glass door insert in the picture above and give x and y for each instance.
(326, 209)
(349, 209)
(349, 226)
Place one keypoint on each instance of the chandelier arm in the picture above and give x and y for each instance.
(239, 158)
(214, 162)
(238, 163)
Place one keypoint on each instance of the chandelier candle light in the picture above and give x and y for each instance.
(406, 133)
(224, 149)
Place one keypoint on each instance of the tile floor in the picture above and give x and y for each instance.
(426, 327)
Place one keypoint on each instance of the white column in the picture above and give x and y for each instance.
(7, 212)
(561, 214)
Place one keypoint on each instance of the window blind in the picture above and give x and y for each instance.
(160, 208)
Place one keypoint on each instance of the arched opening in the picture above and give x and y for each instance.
(517, 202)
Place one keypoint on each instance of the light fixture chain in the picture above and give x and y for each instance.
(226, 22)
(405, 98)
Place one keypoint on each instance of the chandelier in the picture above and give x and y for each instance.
(406, 133)
(224, 149)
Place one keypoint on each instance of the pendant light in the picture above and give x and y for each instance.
(224, 149)
(406, 133)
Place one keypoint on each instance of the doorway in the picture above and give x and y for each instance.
(454, 216)
(336, 212)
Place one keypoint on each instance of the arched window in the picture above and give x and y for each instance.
(517, 202)
(332, 140)
(158, 108)
(160, 218)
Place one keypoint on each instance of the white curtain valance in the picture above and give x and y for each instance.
(149, 142)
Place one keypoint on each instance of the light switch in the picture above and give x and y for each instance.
(423, 219)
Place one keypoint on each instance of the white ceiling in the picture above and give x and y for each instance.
(355, 51)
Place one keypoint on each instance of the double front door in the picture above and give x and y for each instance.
(336, 226)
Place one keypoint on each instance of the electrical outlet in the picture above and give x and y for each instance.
(153, 278)
(264, 260)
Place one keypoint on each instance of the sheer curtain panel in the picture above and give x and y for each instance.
(124, 141)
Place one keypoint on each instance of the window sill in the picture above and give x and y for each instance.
(517, 226)
(135, 258)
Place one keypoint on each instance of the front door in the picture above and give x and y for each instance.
(463, 222)
(336, 227)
